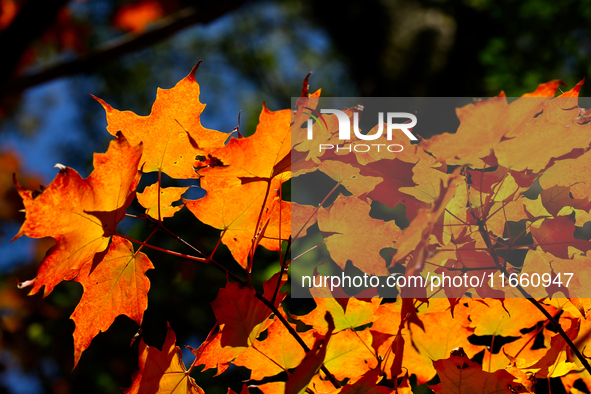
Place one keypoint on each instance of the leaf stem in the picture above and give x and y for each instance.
(319, 205)
(167, 231)
(187, 256)
(283, 269)
(218, 243)
(256, 229)
(205, 259)
(198, 356)
(466, 269)
(159, 189)
(146, 241)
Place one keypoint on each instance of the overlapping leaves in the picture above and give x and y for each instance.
(464, 195)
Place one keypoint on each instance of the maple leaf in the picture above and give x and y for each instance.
(314, 359)
(557, 235)
(582, 376)
(511, 130)
(557, 360)
(549, 268)
(483, 125)
(356, 313)
(271, 143)
(241, 313)
(349, 176)
(162, 371)
(495, 198)
(211, 354)
(506, 318)
(367, 385)
(570, 172)
(422, 345)
(243, 181)
(417, 234)
(116, 287)
(248, 214)
(558, 197)
(80, 214)
(172, 134)
(518, 353)
(391, 190)
(417, 174)
(559, 116)
(237, 308)
(459, 374)
(355, 236)
(149, 200)
(278, 352)
(349, 354)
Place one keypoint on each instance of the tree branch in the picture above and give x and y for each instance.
(557, 326)
(294, 333)
(34, 18)
(121, 46)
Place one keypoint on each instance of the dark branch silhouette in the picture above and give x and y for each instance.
(109, 51)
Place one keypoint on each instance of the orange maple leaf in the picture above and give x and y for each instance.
(368, 385)
(242, 319)
(243, 182)
(459, 374)
(168, 195)
(556, 235)
(349, 224)
(162, 371)
(314, 359)
(211, 353)
(116, 287)
(172, 134)
(248, 215)
(278, 352)
(80, 214)
(354, 314)
(483, 125)
(237, 308)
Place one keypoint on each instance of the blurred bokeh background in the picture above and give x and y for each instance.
(54, 52)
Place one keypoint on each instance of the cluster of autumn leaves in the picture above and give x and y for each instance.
(461, 192)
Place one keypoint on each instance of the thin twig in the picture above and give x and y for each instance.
(187, 256)
(146, 241)
(167, 231)
(205, 259)
(256, 229)
(283, 269)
